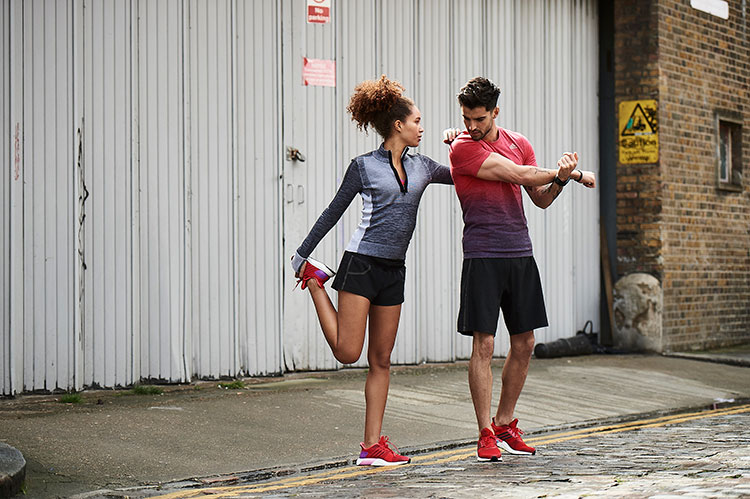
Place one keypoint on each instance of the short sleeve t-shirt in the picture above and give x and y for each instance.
(494, 221)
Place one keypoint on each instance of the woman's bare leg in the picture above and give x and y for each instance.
(343, 330)
(383, 328)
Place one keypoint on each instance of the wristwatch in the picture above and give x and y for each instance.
(560, 182)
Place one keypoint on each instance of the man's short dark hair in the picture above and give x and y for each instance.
(477, 92)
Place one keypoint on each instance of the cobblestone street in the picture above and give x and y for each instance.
(699, 454)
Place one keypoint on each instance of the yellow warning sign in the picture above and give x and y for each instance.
(639, 132)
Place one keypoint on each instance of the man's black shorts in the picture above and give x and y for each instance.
(380, 280)
(510, 284)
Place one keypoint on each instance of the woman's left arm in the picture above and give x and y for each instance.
(440, 174)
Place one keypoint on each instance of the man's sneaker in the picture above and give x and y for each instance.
(380, 455)
(509, 438)
(487, 449)
(315, 270)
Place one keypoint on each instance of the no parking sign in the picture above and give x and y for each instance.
(318, 11)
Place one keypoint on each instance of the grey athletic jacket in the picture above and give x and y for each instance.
(389, 211)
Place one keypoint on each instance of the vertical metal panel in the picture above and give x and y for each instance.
(356, 43)
(258, 188)
(528, 100)
(468, 27)
(585, 205)
(308, 187)
(557, 117)
(396, 37)
(45, 129)
(212, 189)
(5, 180)
(77, 198)
(435, 266)
(16, 174)
(107, 176)
(553, 246)
(160, 342)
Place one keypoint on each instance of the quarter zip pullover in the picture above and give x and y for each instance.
(389, 210)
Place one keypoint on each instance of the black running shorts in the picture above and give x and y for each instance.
(510, 284)
(380, 280)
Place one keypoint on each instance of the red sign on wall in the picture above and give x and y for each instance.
(318, 11)
(318, 72)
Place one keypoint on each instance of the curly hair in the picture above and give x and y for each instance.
(477, 92)
(379, 104)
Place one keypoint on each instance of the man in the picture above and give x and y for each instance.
(489, 164)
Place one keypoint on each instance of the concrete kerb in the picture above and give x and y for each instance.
(12, 470)
(264, 474)
(719, 359)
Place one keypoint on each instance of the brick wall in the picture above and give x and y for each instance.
(639, 203)
(704, 64)
(673, 221)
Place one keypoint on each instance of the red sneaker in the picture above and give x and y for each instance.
(380, 455)
(315, 270)
(487, 449)
(510, 439)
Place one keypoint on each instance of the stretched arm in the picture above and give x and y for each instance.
(350, 186)
(499, 168)
(542, 184)
(439, 174)
(544, 196)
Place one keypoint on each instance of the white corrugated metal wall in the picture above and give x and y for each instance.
(212, 189)
(436, 248)
(107, 180)
(308, 125)
(258, 152)
(160, 221)
(5, 181)
(189, 212)
(544, 59)
(40, 216)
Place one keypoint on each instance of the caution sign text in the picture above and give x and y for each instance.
(639, 132)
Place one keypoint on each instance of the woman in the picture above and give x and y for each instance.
(371, 275)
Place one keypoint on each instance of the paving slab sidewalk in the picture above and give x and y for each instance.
(201, 432)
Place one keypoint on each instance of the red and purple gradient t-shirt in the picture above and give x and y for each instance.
(494, 221)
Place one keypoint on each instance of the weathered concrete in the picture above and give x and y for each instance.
(12, 470)
(703, 457)
(638, 313)
(113, 440)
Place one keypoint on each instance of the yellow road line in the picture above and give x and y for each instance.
(441, 457)
(600, 431)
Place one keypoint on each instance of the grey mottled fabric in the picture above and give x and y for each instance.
(389, 208)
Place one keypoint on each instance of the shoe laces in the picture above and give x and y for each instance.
(487, 440)
(386, 445)
(304, 280)
(515, 430)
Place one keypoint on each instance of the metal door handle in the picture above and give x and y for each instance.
(289, 193)
(293, 154)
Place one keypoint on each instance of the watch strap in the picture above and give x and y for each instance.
(561, 183)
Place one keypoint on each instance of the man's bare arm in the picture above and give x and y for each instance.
(546, 195)
(499, 168)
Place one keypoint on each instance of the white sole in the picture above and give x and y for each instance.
(322, 266)
(377, 462)
(507, 448)
(489, 459)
